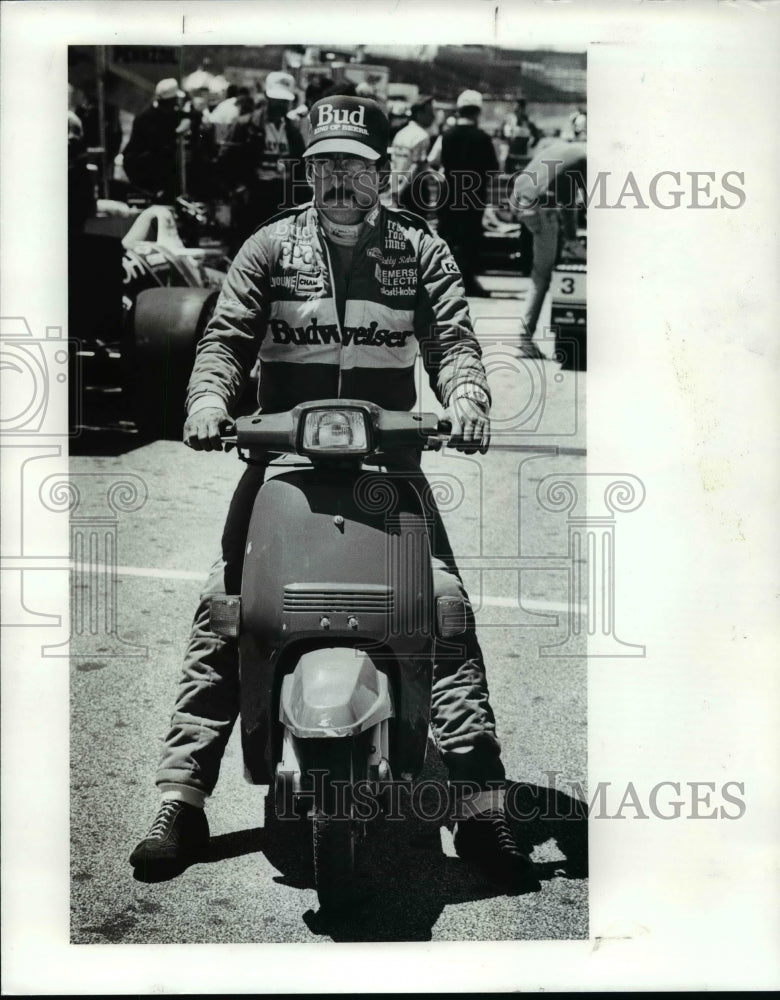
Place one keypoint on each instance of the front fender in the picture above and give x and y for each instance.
(334, 692)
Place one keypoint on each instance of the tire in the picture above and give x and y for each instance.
(334, 829)
(334, 862)
(168, 323)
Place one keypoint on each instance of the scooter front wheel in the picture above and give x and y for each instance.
(334, 861)
(333, 768)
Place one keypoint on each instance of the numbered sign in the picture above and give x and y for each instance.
(568, 315)
(568, 286)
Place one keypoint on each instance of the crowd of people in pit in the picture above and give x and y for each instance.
(217, 140)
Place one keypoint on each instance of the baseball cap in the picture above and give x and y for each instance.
(168, 89)
(280, 87)
(341, 124)
(470, 99)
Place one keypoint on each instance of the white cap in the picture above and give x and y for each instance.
(218, 85)
(280, 87)
(168, 88)
(470, 99)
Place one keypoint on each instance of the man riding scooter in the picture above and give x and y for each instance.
(337, 296)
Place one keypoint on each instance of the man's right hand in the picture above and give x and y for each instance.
(203, 429)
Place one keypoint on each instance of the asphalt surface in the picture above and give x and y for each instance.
(255, 883)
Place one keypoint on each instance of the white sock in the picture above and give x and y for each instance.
(183, 793)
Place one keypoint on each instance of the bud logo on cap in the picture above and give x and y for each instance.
(328, 115)
(345, 125)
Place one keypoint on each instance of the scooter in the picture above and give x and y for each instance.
(336, 620)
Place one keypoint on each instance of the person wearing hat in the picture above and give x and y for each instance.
(378, 289)
(261, 157)
(151, 156)
(468, 160)
(409, 157)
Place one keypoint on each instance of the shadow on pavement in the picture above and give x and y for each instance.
(227, 845)
(539, 815)
(405, 878)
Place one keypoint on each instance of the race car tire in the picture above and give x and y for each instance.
(167, 325)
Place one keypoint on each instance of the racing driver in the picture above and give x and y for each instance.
(337, 296)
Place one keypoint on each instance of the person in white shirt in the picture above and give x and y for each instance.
(409, 156)
(225, 113)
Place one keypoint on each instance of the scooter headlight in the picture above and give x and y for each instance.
(335, 432)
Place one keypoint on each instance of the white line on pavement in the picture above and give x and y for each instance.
(158, 574)
(487, 600)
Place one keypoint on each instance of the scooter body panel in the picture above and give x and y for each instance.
(336, 558)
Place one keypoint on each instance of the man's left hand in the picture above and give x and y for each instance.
(470, 425)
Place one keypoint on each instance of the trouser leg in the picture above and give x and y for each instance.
(568, 221)
(207, 698)
(462, 719)
(462, 230)
(468, 247)
(543, 224)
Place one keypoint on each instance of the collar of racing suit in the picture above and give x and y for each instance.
(369, 230)
(337, 232)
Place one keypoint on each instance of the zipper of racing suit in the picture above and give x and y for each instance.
(325, 246)
(362, 240)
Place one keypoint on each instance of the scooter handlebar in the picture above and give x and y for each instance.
(389, 430)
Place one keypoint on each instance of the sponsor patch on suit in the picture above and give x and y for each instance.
(308, 281)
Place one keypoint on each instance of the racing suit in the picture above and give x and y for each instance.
(324, 335)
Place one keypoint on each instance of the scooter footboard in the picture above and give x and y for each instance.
(336, 691)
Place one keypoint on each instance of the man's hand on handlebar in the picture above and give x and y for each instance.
(470, 425)
(203, 429)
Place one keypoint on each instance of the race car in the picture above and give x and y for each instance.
(139, 301)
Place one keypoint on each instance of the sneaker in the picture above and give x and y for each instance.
(528, 349)
(178, 832)
(487, 842)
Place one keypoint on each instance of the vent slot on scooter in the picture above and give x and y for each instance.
(365, 598)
